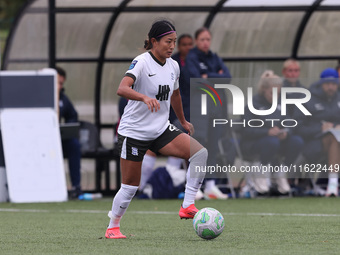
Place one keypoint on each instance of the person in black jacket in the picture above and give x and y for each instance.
(324, 106)
(184, 45)
(71, 147)
(271, 140)
(202, 63)
(291, 74)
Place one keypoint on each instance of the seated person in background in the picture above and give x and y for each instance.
(71, 147)
(271, 139)
(201, 62)
(184, 45)
(324, 106)
(291, 73)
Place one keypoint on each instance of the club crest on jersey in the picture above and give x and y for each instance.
(133, 64)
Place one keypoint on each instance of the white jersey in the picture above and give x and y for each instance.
(154, 80)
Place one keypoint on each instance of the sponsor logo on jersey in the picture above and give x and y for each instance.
(133, 64)
(153, 74)
(163, 92)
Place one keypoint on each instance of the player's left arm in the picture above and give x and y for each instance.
(176, 103)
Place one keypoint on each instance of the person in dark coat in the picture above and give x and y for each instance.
(291, 75)
(324, 107)
(202, 63)
(71, 146)
(184, 45)
(270, 139)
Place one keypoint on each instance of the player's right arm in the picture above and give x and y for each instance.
(125, 90)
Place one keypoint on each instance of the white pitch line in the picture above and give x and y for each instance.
(286, 214)
(23, 210)
(170, 213)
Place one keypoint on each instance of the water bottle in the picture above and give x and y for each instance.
(181, 195)
(90, 196)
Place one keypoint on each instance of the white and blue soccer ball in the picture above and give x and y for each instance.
(208, 223)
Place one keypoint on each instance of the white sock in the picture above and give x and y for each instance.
(147, 169)
(194, 176)
(120, 203)
(209, 184)
(174, 162)
(333, 179)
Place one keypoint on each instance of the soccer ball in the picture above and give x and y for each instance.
(208, 223)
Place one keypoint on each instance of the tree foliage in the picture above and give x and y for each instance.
(8, 10)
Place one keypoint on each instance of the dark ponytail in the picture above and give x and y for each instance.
(147, 45)
(159, 29)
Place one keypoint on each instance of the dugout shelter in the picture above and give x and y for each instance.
(95, 41)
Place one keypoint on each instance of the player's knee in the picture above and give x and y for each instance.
(202, 154)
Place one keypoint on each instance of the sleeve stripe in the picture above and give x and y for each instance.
(131, 76)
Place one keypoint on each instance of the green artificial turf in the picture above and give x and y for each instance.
(257, 226)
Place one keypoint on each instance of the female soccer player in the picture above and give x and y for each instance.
(151, 84)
